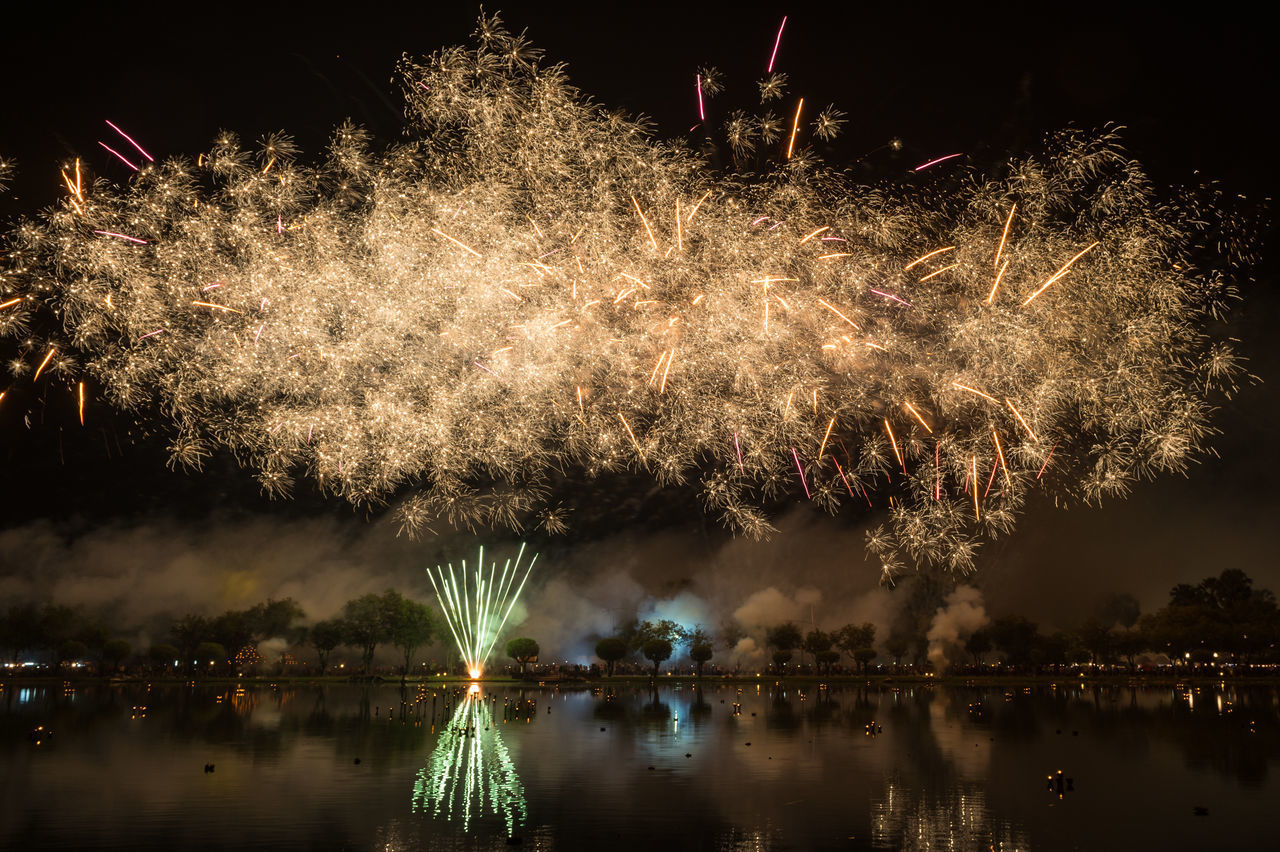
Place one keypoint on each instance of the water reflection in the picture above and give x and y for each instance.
(722, 766)
(917, 819)
(470, 773)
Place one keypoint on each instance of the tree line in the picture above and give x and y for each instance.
(1222, 619)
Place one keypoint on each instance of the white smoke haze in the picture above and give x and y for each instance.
(962, 615)
(140, 576)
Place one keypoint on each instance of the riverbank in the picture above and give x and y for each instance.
(1270, 677)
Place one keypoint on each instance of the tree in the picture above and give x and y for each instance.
(701, 652)
(864, 656)
(210, 654)
(114, 652)
(666, 630)
(523, 651)
(1095, 638)
(20, 629)
(324, 636)
(896, 646)
(233, 630)
(610, 650)
(163, 655)
(1128, 644)
(411, 627)
(827, 659)
(785, 637)
(70, 651)
(56, 625)
(978, 645)
(781, 657)
(1015, 636)
(188, 632)
(815, 642)
(656, 651)
(368, 621)
(274, 618)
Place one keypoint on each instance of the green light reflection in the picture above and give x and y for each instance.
(470, 773)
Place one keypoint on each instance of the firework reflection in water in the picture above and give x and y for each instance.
(470, 773)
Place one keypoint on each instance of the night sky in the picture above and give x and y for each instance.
(1195, 95)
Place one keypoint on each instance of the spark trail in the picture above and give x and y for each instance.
(477, 604)
(517, 292)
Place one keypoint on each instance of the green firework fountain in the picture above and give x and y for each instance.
(478, 602)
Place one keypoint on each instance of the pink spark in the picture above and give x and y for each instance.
(891, 296)
(738, 448)
(152, 333)
(118, 154)
(783, 222)
(937, 471)
(846, 481)
(777, 41)
(490, 372)
(994, 467)
(258, 333)
(263, 306)
(424, 86)
(215, 285)
(279, 224)
(702, 113)
(935, 162)
(309, 430)
(129, 139)
(122, 236)
(758, 221)
(1046, 461)
(796, 456)
(548, 254)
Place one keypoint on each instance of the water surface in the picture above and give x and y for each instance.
(722, 766)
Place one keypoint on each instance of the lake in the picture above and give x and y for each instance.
(724, 766)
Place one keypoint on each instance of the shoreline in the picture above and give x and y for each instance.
(551, 681)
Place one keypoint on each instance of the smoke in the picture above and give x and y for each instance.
(962, 615)
(137, 577)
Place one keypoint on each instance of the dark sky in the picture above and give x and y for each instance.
(1196, 94)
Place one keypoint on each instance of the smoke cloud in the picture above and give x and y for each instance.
(962, 615)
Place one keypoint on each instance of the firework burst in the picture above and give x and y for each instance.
(530, 285)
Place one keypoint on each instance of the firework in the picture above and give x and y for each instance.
(455, 323)
(477, 604)
(471, 772)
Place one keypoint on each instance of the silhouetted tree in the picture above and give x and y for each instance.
(411, 627)
(700, 653)
(163, 655)
(1015, 636)
(368, 621)
(114, 652)
(815, 642)
(864, 656)
(784, 637)
(524, 651)
(656, 651)
(324, 636)
(978, 645)
(610, 650)
(210, 654)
